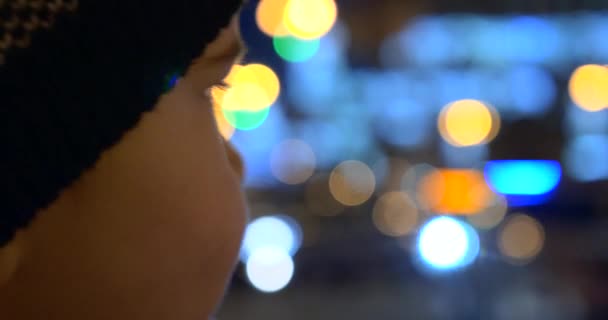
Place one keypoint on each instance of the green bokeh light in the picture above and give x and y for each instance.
(295, 50)
(246, 120)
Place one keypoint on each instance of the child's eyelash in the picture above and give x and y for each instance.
(217, 90)
(222, 85)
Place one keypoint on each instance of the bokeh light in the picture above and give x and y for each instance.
(455, 191)
(445, 243)
(269, 269)
(234, 116)
(269, 17)
(270, 232)
(293, 49)
(532, 90)
(425, 41)
(523, 177)
(248, 97)
(255, 87)
(492, 216)
(586, 157)
(468, 123)
(463, 157)
(245, 104)
(352, 183)
(589, 87)
(246, 120)
(579, 122)
(396, 111)
(310, 19)
(395, 214)
(521, 238)
(293, 161)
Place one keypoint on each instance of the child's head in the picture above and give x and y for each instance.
(115, 204)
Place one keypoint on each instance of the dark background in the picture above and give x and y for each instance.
(346, 268)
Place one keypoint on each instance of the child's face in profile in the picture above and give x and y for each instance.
(153, 231)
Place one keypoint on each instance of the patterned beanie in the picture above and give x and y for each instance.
(75, 75)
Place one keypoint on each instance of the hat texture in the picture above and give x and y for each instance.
(75, 75)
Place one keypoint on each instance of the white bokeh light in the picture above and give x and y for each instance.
(445, 243)
(269, 269)
(270, 231)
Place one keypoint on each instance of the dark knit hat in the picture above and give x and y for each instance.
(75, 75)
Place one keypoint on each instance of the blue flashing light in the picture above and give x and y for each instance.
(523, 177)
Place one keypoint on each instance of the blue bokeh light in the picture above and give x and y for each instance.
(428, 41)
(464, 157)
(523, 177)
(313, 85)
(531, 39)
(445, 243)
(516, 39)
(532, 90)
(578, 121)
(455, 85)
(404, 123)
(586, 157)
(592, 37)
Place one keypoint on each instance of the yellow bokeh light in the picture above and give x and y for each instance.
(253, 87)
(319, 199)
(491, 216)
(589, 87)
(245, 97)
(293, 161)
(269, 17)
(455, 191)
(395, 214)
(468, 122)
(261, 75)
(521, 239)
(352, 183)
(223, 126)
(230, 78)
(310, 19)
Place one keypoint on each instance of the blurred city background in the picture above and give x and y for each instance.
(412, 159)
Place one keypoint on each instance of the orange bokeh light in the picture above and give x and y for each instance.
(269, 17)
(521, 239)
(589, 87)
(455, 191)
(468, 123)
